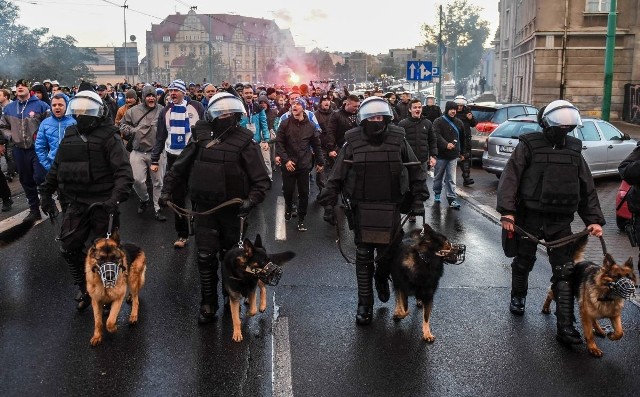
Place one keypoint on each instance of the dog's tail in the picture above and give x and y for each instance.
(16, 232)
(579, 246)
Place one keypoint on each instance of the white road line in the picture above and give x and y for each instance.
(281, 383)
(281, 228)
(17, 218)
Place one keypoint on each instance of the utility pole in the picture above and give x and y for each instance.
(608, 61)
(126, 61)
(439, 85)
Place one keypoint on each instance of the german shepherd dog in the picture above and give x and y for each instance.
(110, 268)
(246, 268)
(416, 271)
(592, 286)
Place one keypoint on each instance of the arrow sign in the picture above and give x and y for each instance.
(419, 70)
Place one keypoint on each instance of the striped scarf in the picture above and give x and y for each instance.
(179, 126)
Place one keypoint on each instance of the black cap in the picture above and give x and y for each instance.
(22, 82)
(102, 87)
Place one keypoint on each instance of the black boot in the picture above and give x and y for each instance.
(75, 260)
(567, 333)
(329, 215)
(364, 275)
(519, 287)
(208, 270)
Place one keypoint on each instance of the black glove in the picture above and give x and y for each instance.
(164, 199)
(417, 209)
(245, 208)
(48, 206)
(111, 206)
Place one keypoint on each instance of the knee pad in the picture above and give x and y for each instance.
(364, 255)
(523, 264)
(207, 260)
(564, 272)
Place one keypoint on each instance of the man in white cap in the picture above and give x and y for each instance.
(174, 132)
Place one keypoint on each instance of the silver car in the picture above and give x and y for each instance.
(603, 145)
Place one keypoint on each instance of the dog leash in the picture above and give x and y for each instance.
(550, 244)
(185, 212)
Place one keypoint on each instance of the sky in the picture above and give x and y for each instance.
(331, 25)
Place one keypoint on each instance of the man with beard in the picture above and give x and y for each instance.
(91, 170)
(373, 171)
(140, 125)
(544, 183)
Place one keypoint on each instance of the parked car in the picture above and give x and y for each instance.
(623, 215)
(489, 116)
(603, 145)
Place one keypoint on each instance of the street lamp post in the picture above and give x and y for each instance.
(126, 61)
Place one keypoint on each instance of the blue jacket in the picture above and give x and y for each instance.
(259, 120)
(21, 120)
(50, 134)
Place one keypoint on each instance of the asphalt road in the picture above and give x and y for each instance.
(307, 343)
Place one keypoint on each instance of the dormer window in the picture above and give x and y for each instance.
(166, 38)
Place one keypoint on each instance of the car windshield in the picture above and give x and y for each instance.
(482, 115)
(513, 129)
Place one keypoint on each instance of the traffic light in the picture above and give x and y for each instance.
(414, 54)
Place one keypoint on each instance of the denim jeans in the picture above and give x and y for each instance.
(445, 172)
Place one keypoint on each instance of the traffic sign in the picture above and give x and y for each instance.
(419, 70)
(435, 71)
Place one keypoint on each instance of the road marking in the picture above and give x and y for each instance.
(281, 227)
(281, 383)
(16, 219)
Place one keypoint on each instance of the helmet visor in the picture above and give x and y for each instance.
(374, 108)
(83, 106)
(563, 116)
(219, 106)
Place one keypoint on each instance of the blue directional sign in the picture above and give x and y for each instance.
(419, 70)
(435, 71)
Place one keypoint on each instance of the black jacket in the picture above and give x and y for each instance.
(340, 122)
(446, 134)
(629, 170)
(431, 113)
(508, 202)
(421, 138)
(294, 141)
(323, 116)
(403, 110)
(462, 116)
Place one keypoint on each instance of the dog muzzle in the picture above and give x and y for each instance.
(455, 255)
(624, 288)
(269, 274)
(109, 272)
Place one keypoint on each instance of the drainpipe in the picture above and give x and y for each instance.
(563, 72)
(608, 61)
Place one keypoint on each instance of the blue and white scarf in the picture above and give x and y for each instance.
(179, 126)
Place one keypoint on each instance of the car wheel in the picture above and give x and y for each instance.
(622, 222)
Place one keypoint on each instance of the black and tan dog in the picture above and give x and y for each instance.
(593, 286)
(110, 268)
(416, 271)
(243, 270)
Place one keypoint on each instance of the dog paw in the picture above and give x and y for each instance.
(133, 320)
(429, 338)
(251, 313)
(613, 336)
(263, 308)
(112, 327)
(546, 310)
(595, 352)
(96, 340)
(237, 337)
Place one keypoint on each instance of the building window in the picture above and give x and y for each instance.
(219, 38)
(166, 65)
(166, 51)
(201, 50)
(598, 6)
(239, 49)
(166, 38)
(183, 50)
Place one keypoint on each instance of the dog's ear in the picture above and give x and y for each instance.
(115, 236)
(629, 263)
(248, 247)
(608, 261)
(427, 229)
(281, 257)
(258, 242)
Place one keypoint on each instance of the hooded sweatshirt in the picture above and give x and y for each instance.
(50, 134)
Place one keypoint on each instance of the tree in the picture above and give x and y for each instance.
(196, 69)
(463, 35)
(28, 53)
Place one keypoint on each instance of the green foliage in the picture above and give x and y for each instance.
(463, 33)
(196, 69)
(30, 54)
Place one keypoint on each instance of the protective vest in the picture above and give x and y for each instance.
(551, 183)
(216, 175)
(379, 172)
(83, 167)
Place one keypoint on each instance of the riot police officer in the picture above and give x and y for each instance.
(92, 171)
(374, 170)
(222, 162)
(544, 183)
